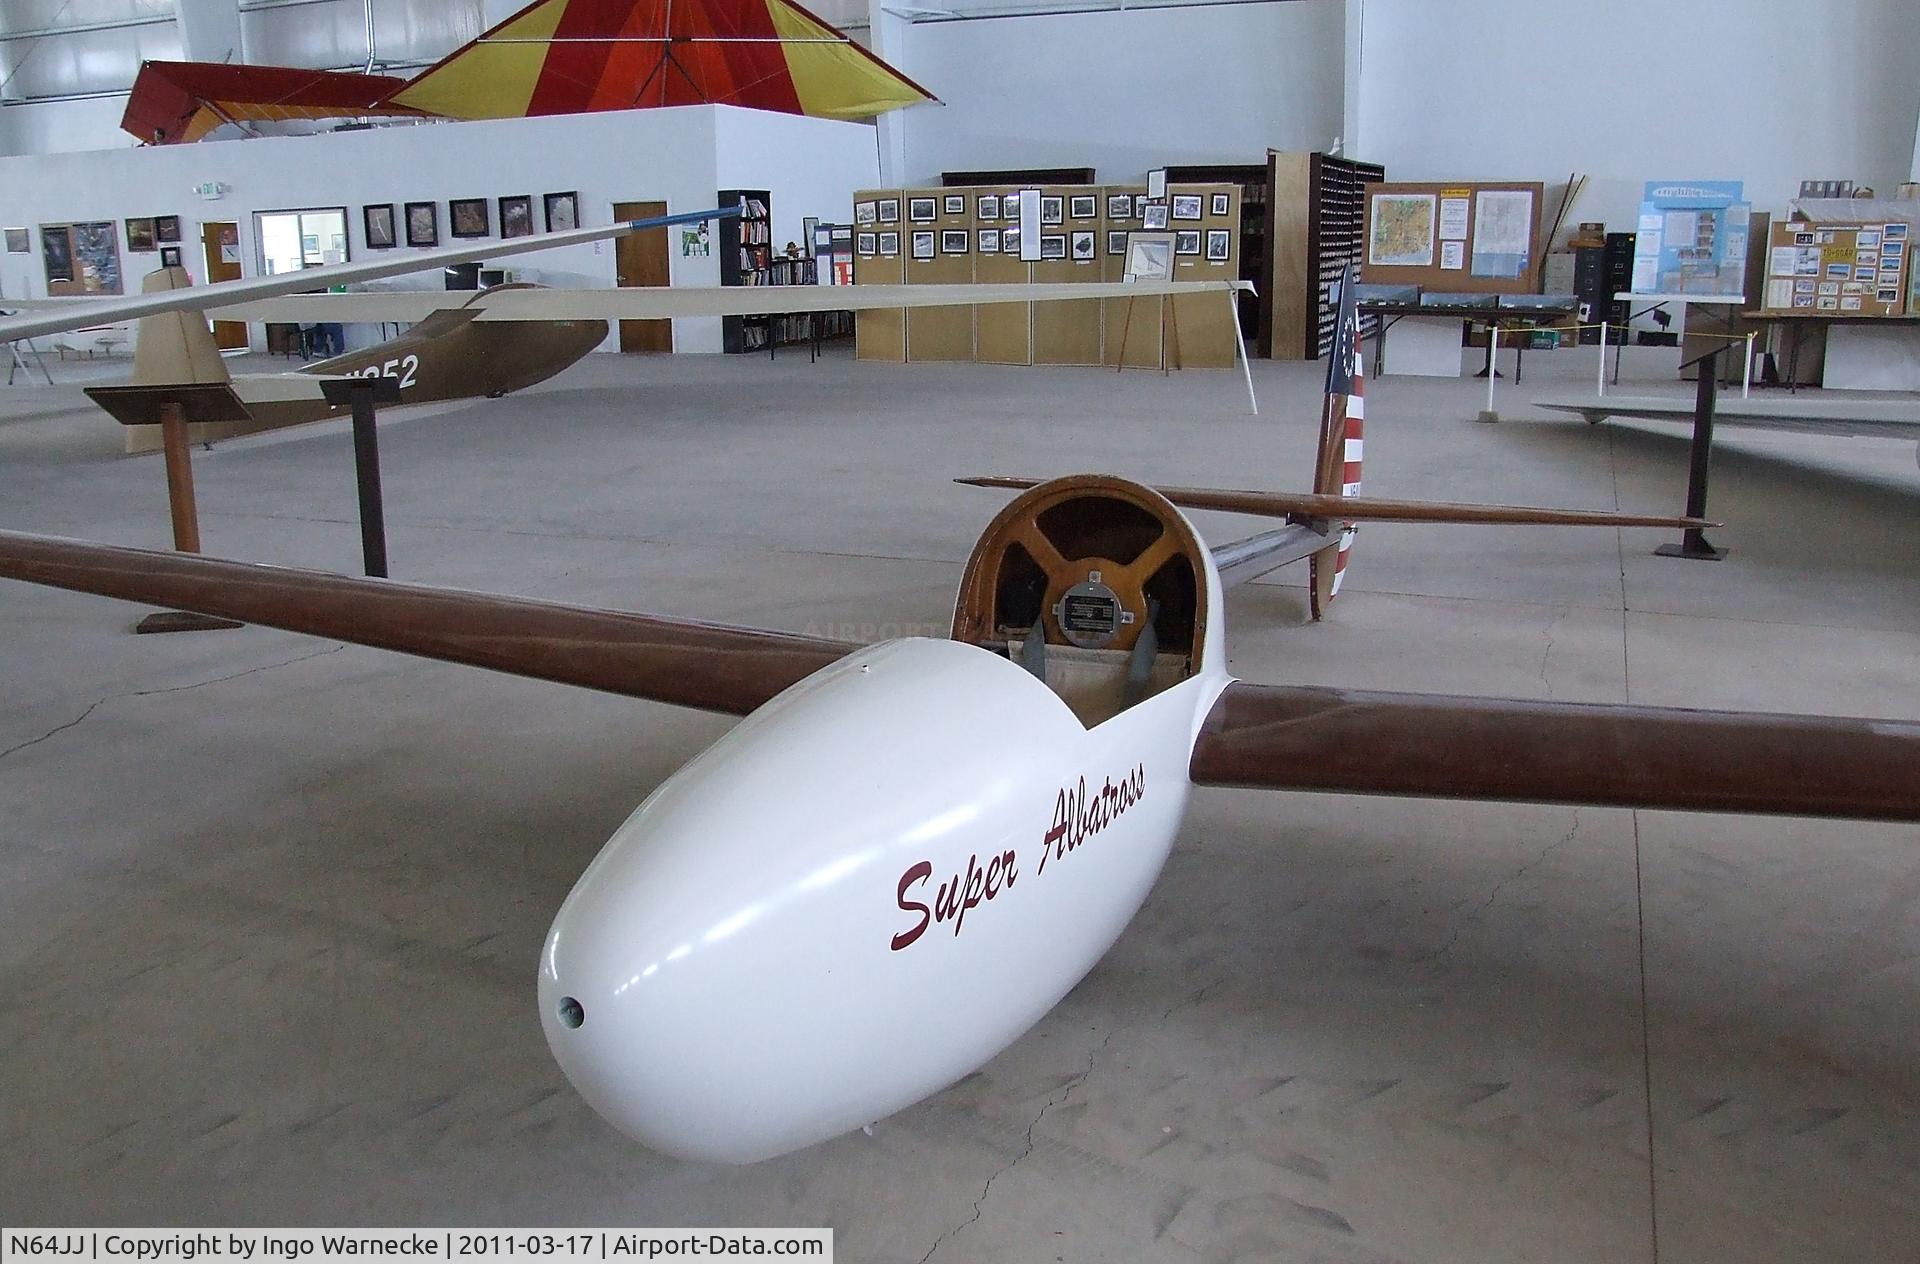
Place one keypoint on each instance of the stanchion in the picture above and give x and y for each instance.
(363, 393)
(1493, 373)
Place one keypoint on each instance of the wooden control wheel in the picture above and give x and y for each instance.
(1094, 602)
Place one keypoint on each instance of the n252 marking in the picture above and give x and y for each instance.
(405, 368)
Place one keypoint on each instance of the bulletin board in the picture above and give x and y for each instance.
(1201, 326)
(1068, 333)
(1475, 237)
(1837, 270)
(941, 333)
(1003, 332)
(880, 334)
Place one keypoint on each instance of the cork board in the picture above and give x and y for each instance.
(879, 335)
(1200, 334)
(1069, 333)
(1003, 332)
(1445, 237)
(940, 333)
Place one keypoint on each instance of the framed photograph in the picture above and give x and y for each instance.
(169, 256)
(18, 242)
(920, 210)
(1149, 256)
(1119, 206)
(166, 228)
(1083, 206)
(140, 235)
(1009, 241)
(1083, 246)
(516, 216)
(1050, 208)
(954, 204)
(890, 211)
(563, 211)
(1186, 206)
(1186, 241)
(1010, 207)
(377, 218)
(868, 243)
(890, 242)
(1116, 241)
(922, 240)
(1221, 203)
(989, 243)
(467, 217)
(866, 212)
(56, 250)
(1139, 205)
(1053, 246)
(953, 241)
(987, 206)
(423, 223)
(1219, 244)
(1154, 216)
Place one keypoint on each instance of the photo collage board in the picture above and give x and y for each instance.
(972, 235)
(1837, 270)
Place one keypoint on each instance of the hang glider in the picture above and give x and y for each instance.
(908, 852)
(177, 101)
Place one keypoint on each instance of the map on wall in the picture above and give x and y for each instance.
(1502, 232)
(1401, 230)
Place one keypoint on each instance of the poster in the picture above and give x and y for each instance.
(1693, 238)
(1502, 232)
(1400, 230)
(1453, 220)
(1453, 255)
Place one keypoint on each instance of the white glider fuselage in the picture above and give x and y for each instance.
(860, 894)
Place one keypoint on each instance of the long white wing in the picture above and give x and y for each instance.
(656, 303)
(202, 298)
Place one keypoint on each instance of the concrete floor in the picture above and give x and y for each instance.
(272, 905)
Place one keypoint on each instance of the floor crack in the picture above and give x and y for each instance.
(1502, 885)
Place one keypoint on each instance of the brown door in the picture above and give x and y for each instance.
(641, 259)
(221, 244)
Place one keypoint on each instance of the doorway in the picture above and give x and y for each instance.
(641, 259)
(221, 244)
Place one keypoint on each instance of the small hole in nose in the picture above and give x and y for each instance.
(571, 1014)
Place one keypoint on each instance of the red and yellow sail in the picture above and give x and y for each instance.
(579, 56)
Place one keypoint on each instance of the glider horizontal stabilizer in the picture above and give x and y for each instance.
(1352, 741)
(1308, 507)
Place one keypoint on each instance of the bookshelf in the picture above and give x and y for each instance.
(1317, 205)
(748, 256)
(1256, 308)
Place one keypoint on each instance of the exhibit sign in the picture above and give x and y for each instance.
(1692, 238)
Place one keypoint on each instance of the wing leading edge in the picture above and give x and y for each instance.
(1355, 741)
(707, 666)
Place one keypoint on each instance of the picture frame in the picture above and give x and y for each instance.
(1149, 256)
(1051, 208)
(516, 216)
(920, 210)
(1009, 241)
(1082, 246)
(1116, 241)
(1053, 246)
(987, 206)
(19, 241)
(1219, 245)
(1186, 206)
(1139, 205)
(1119, 206)
(140, 235)
(890, 241)
(376, 221)
(562, 211)
(170, 257)
(866, 212)
(1010, 208)
(1186, 241)
(868, 243)
(1222, 204)
(890, 213)
(954, 204)
(922, 240)
(56, 252)
(989, 241)
(423, 223)
(166, 229)
(1083, 206)
(467, 217)
(1153, 217)
(954, 241)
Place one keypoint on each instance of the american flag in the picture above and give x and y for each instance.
(1346, 413)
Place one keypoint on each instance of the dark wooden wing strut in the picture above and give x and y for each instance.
(707, 666)
(1440, 746)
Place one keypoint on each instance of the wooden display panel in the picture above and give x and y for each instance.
(1133, 326)
(1200, 331)
(882, 334)
(1434, 275)
(940, 333)
(1003, 332)
(1068, 333)
(1290, 254)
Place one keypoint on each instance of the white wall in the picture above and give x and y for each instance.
(1124, 92)
(636, 155)
(63, 126)
(1765, 91)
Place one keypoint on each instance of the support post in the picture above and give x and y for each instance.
(1693, 541)
(1493, 371)
(1240, 341)
(186, 520)
(1600, 370)
(1746, 380)
(366, 470)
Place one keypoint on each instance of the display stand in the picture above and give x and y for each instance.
(363, 393)
(1693, 541)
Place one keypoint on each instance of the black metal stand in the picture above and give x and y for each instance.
(1693, 541)
(363, 393)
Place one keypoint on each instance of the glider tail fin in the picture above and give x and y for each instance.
(1337, 463)
(175, 348)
